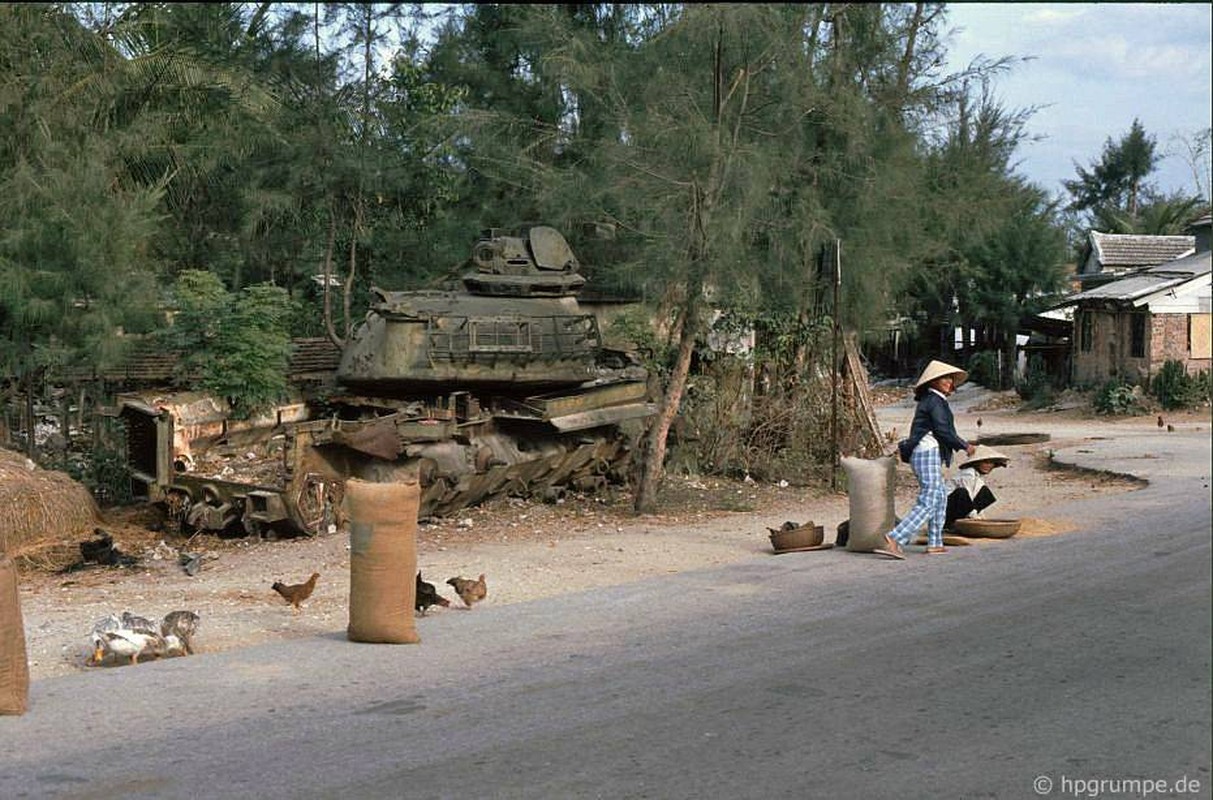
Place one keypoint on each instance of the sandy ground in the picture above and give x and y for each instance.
(528, 551)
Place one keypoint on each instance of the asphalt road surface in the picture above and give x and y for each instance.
(1070, 666)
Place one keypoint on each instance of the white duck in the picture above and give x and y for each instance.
(125, 637)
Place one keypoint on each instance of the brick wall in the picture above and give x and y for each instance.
(1112, 346)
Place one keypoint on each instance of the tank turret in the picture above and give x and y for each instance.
(516, 323)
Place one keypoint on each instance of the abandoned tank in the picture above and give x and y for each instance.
(502, 385)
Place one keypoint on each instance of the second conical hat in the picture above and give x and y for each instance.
(984, 453)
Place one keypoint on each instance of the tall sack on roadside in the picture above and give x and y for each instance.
(870, 493)
(14, 668)
(383, 560)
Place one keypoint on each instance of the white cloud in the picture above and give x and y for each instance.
(1050, 16)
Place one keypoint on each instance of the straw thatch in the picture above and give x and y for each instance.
(42, 511)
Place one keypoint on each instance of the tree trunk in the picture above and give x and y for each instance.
(329, 326)
(652, 449)
(31, 449)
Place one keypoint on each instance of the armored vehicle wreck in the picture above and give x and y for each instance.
(501, 385)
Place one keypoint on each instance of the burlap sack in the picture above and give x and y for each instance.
(14, 669)
(383, 560)
(870, 492)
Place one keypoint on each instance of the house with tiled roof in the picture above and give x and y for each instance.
(1127, 328)
(1109, 256)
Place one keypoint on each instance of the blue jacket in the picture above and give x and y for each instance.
(934, 415)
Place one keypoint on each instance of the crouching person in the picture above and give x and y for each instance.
(968, 494)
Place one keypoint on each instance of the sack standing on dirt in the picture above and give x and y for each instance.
(932, 440)
(969, 495)
(14, 668)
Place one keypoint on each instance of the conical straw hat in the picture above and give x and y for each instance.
(937, 369)
(984, 453)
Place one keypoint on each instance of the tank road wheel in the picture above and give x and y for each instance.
(254, 528)
(427, 472)
(484, 459)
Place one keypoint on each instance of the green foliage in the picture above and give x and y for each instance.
(73, 263)
(983, 369)
(1117, 178)
(107, 475)
(1035, 387)
(1202, 386)
(238, 345)
(633, 329)
(1174, 388)
(1156, 216)
(1118, 398)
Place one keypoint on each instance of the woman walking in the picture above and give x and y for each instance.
(932, 440)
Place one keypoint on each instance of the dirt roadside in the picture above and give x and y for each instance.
(527, 550)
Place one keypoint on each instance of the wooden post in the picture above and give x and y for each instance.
(834, 359)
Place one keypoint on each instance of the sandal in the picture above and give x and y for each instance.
(935, 551)
(891, 549)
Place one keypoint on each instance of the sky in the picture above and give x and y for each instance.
(1096, 67)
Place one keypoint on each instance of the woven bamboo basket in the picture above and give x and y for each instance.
(976, 528)
(798, 538)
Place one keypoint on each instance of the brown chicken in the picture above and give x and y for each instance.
(469, 591)
(427, 595)
(296, 593)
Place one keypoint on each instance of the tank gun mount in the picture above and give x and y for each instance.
(537, 262)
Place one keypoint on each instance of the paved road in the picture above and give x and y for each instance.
(1076, 658)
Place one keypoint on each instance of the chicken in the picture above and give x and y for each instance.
(1160, 421)
(1170, 428)
(296, 593)
(470, 591)
(427, 595)
(180, 625)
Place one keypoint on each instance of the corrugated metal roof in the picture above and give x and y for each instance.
(1131, 250)
(1195, 264)
(1129, 288)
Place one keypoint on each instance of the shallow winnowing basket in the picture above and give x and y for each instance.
(978, 528)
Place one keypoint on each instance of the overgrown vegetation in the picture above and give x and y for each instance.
(1035, 387)
(1118, 397)
(236, 345)
(1174, 388)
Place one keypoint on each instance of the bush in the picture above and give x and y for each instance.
(1035, 388)
(1119, 398)
(1202, 386)
(983, 369)
(1174, 388)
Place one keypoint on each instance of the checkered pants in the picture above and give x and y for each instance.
(932, 504)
